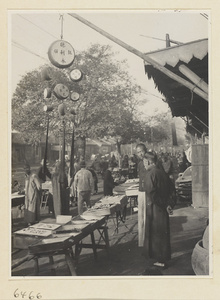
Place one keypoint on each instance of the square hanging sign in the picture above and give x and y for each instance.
(61, 54)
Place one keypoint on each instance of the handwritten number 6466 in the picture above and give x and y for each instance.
(25, 295)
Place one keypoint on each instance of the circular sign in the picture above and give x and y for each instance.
(74, 96)
(62, 109)
(73, 111)
(61, 54)
(75, 75)
(46, 73)
(48, 108)
(47, 93)
(61, 91)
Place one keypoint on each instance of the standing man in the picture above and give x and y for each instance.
(108, 181)
(141, 152)
(83, 183)
(158, 206)
(32, 196)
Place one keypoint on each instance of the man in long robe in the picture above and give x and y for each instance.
(32, 197)
(158, 206)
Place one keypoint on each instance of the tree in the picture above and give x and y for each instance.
(158, 129)
(107, 105)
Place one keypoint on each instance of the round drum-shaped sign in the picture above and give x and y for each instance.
(61, 91)
(74, 96)
(47, 93)
(62, 109)
(75, 75)
(61, 54)
(46, 73)
(48, 108)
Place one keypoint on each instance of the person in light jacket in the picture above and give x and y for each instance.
(32, 196)
(84, 184)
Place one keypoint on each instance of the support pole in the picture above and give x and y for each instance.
(146, 58)
(199, 120)
(194, 78)
(46, 148)
(72, 171)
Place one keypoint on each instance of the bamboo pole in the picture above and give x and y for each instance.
(46, 148)
(199, 120)
(194, 78)
(146, 58)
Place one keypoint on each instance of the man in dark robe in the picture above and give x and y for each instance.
(156, 184)
(158, 207)
(108, 181)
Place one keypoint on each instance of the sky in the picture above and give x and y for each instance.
(32, 32)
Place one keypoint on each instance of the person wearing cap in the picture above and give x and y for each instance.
(32, 196)
(155, 188)
(83, 183)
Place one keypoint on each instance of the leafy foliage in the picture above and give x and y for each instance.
(107, 105)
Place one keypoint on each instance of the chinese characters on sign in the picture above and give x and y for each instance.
(61, 54)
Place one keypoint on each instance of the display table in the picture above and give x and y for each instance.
(17, 199)
(130, 189)
(111, 206)
(56, 239)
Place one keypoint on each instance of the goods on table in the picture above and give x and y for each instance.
(135, 180)
(62, 219)
(132, 190)
(90, 216)
(108, 205)
(68, 228)
(34, 231)
(55, 240)
(46, 226)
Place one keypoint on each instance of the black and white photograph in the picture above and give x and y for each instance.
(109, 136)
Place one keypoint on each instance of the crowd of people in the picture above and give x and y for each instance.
(156, 196)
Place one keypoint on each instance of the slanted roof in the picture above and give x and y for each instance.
(182, 101)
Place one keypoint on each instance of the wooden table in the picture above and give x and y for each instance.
(17, 199)
(112, 207)
(62, 242)
(130, 189)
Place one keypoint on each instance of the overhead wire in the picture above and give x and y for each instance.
(16, 44)
(38, 26)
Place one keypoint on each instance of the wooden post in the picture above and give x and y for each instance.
(46, 147)
(167, 40)
(198, 119)
(146, 58)
(194, 78)
(72, 171)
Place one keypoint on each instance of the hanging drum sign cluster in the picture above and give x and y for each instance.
(61, 54)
